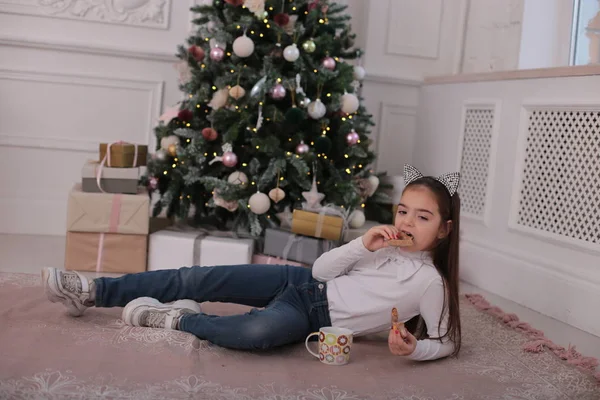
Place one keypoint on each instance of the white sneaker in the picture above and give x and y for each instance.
(67, 287)
(151, 313)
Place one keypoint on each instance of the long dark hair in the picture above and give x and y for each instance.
(445, 260)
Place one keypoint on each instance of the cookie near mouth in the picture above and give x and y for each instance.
(405, 239)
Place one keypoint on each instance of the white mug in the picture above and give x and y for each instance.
(334, 345)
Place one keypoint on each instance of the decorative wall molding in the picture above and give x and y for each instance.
(154, 91)
(477, 148)
(87, 49)
(405, 17)
(556, 187)
(391, 80)
(142, 13)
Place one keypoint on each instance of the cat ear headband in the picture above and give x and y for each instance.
(450, 180)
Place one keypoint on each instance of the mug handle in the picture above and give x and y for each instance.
(308, 348)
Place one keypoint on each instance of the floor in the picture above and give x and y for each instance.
(29, 253)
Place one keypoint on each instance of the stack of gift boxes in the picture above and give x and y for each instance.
(311, 235)
(108, 214)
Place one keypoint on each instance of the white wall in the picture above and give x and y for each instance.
(555, 267)
(70, 78)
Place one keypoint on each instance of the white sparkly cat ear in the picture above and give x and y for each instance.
(450, 180)
(411, 174)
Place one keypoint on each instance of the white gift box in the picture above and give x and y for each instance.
(212, 250)
(173, 249)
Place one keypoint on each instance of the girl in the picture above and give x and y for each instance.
(354, 286)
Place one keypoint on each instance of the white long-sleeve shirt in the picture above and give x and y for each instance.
(364, 286)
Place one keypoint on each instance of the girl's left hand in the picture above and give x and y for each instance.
(401, 342)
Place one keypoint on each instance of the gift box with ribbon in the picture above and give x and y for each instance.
(122, 154)
(105, 252)
(177, 247)
(107, 213)
(96, 179)
(317, 224)
(287, 245)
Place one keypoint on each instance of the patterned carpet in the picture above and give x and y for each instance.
(45, 354)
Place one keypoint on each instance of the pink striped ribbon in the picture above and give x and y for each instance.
(113, 226)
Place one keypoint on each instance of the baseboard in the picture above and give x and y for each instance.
(569, 299)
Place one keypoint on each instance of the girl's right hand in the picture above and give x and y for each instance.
(376, 238)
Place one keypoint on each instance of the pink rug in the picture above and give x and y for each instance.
(45, 354)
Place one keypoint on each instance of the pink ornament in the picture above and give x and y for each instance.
(278, 92)
(352, 138)
(329, 63)
(302, 148)
(153, 183)
(229, 159)
(217, 54)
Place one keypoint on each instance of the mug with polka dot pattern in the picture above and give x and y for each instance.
(334, 345)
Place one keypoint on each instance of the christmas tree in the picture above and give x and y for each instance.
(271, 117)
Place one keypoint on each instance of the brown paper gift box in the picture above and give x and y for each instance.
(106, 252)
(122, 154)
(306, 223)
(107, 212)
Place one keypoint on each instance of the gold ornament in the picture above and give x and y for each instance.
(276, 195)
(172, 150)
(237, 92)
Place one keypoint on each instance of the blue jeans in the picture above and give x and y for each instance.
(294, 303)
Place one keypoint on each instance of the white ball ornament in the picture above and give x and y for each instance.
(359, 73)
(374, 183)
(291, 53)
(349, 103)
(259, 203)
(167, 141)
(357, 219)
(316, 109)
(238, 178)
(243, 46)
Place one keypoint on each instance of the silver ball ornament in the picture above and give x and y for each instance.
(357, 219)
(160, 155)
(304, 102)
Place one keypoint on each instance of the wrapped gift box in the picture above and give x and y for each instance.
(175, 248)
(289, 246)
(265, 259)
(107, 213)
(123, 154)
(105, 252)
(351, 234)
(112, 180)
(317, 225)
(212, 250)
